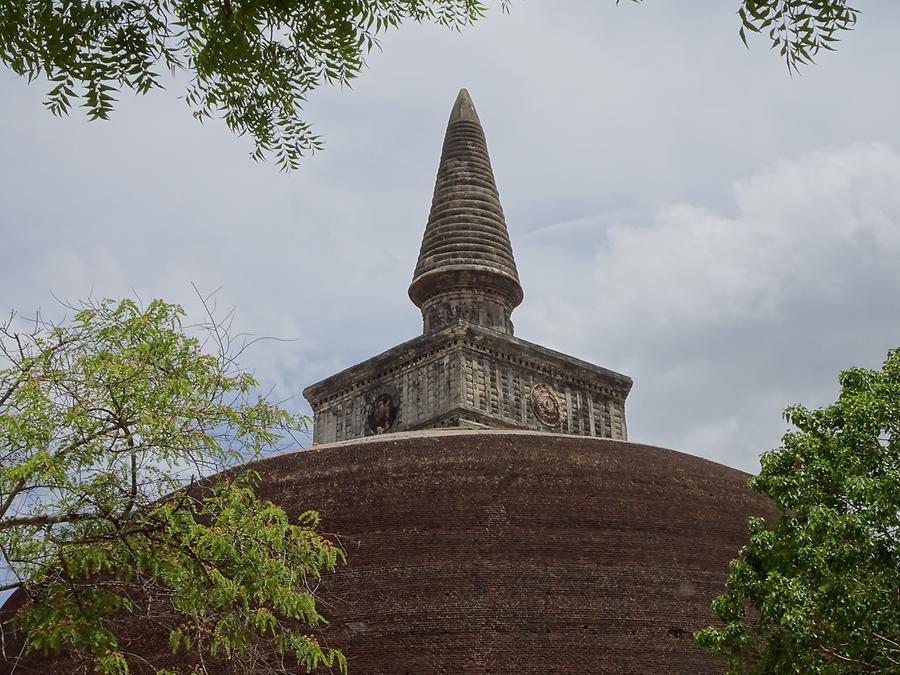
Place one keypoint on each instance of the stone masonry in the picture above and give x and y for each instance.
(467, 369)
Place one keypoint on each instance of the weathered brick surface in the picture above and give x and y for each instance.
(493, 552)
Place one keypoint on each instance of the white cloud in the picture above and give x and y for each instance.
(725, 319)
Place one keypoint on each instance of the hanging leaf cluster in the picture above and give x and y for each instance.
(250, 62)
(798, 29)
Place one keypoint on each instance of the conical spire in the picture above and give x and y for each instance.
(466, 268)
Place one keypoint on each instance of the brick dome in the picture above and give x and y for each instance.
(520, 552)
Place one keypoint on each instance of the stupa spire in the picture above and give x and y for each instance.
(466, 268)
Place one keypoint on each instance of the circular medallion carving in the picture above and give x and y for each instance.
(382, 413)
(545, 404)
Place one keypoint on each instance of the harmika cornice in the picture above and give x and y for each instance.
(468, 375)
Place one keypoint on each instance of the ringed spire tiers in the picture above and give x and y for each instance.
(466, 269)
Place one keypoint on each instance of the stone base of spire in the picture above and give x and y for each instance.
(469, 376)
(472, 305)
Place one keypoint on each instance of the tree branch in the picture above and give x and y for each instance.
(11, 497)
(10, 587)
(58, 519)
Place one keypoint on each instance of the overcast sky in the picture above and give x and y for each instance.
(681, 210)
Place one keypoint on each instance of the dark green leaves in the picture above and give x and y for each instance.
(799, 29)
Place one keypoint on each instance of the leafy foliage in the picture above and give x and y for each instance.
(253, 62)
(818, 591)
(99, 421)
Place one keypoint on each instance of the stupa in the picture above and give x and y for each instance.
(496, 518)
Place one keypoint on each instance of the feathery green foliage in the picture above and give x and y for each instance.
(818, 591)
(100, 421)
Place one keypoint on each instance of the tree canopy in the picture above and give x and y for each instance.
(253, 62)
(102, 419)
(818, 591)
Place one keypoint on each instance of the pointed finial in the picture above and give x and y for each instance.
(463, 108)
